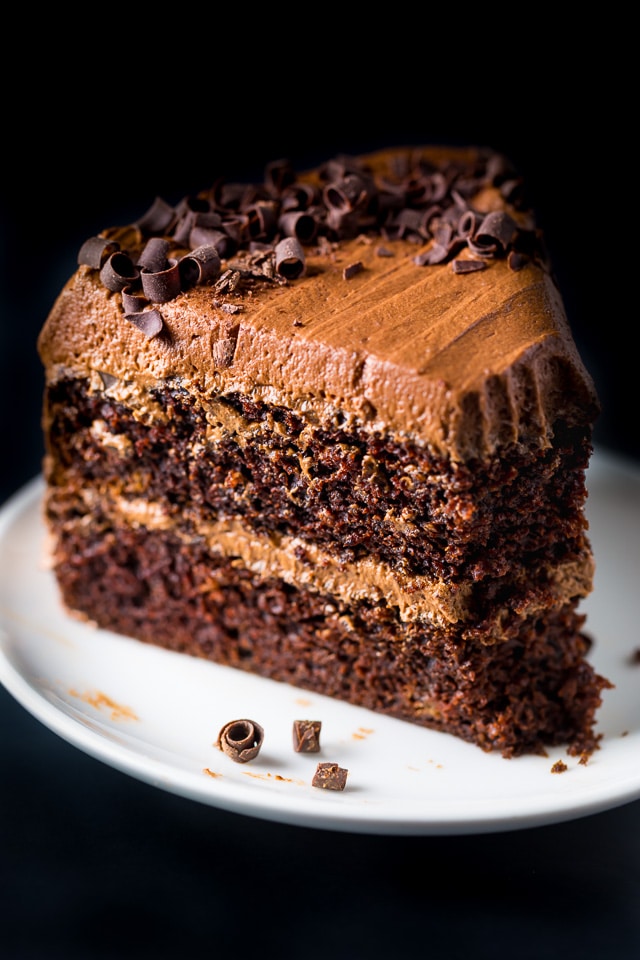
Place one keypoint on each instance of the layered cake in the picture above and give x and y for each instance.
(332, 428)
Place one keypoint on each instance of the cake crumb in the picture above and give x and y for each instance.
(559, 767)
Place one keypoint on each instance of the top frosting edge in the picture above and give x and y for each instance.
(378, 321)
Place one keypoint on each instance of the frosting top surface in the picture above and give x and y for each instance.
(462, 360)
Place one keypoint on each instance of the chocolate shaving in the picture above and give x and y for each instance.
(329, 776)
(223, 351)
(228, 281)
(289, 258)
(467, 266)
(241, 740)
(149, 322)
(352, 270)
(108, 379)
(306, 736)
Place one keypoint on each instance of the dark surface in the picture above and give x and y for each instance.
(95, 864)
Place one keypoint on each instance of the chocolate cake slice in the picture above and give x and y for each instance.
(333, 428)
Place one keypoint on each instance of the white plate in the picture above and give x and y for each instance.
(156, 714)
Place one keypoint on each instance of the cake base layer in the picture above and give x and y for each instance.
(532, 691)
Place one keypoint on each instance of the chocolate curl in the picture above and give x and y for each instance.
(237, 228)
(163, 285)
(118, 272)
(345, 194)
(468, 224)
(133, 301)
(95, 251)
(154, 256)
(148, 322)
(429, 217)
(494, 235)
(183, 227)
(406, 223)
(158, 218)
(299, 196)
(299, 224)
(261, 220)
(192, 213)
(241, 740)
(199, 266)
(289, 258)
(208, 237)
(278, 174)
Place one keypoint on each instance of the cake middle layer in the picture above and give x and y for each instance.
(334, 508)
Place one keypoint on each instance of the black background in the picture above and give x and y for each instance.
(95, 864)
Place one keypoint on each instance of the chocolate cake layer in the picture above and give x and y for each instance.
(333, 429)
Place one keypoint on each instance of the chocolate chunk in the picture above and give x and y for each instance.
(149, 322)
(329, 776)
(352, 270)
(306, 736)
(241, 740)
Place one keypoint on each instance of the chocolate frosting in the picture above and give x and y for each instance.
(463, 360)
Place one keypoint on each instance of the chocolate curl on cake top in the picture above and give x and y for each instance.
(418, 202)
(416, 348)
